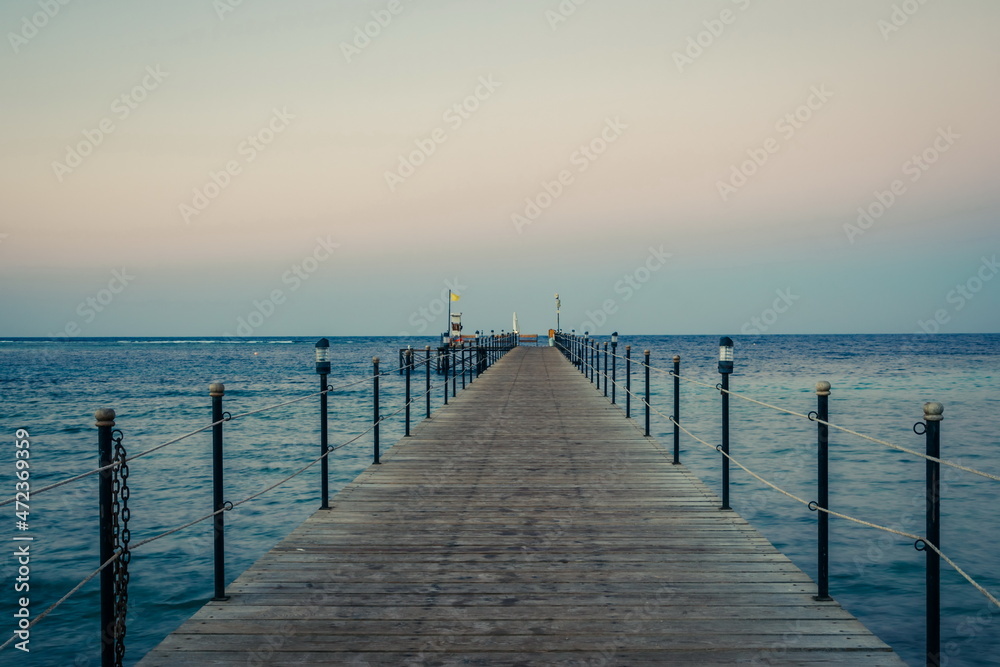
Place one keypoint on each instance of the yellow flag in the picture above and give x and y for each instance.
(455, 297)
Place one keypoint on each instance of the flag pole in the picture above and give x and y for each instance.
(448, 323)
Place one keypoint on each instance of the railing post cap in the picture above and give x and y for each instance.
(374, 360)
(105, 417)
(822, 388)
(677, 358)
(933, 412)
(646, 352)
(427, 347)
(216, 389)
(628, 347)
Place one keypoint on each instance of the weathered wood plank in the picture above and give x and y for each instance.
(527, 522)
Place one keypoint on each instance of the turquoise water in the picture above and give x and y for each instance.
(159, 390)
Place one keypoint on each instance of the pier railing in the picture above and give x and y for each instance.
(458, 366)
(599, 364)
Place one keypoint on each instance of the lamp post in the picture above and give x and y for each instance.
(558, 305)
(725, 368)
(614, 365)
(323, 369)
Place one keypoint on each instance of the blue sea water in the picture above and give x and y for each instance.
(159, 389)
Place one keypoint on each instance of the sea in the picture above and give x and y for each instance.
(50, 388)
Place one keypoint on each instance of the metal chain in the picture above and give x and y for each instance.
(121, 536)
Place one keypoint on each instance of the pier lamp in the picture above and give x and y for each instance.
(445, 338)
(614, 340)
(725, 355)
(323, 356)
(323, 369)
(725, 368)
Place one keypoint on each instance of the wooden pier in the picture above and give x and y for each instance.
(526, 523)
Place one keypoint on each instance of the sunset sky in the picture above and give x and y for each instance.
(689, 167)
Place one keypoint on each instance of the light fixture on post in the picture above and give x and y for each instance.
(725, 368)
(323, 356)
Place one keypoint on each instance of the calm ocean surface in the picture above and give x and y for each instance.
(159, 388)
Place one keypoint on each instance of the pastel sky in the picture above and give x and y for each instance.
(203, 168)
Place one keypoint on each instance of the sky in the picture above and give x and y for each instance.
(727, 167)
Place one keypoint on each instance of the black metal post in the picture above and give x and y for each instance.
(454, 377)
(376, 418)
(324, 464)
(614, 370)
(590, 362)
(597, 357)
(427, 383)
(409, 367)
(628, 381)
(323, 370)
(725, 368)
(677, 410)
(464, 351)
(823, 491)
(725, 442)
(105, 454)
(933, 414)
(646, 355)
(605, 369)
(443, 359)
(217, 390)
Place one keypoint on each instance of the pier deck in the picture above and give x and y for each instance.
(526, 523)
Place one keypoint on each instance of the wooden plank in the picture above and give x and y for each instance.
(527, 522)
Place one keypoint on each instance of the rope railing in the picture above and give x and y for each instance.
(587, 356)
(812, 505)
(227, 508)
(812, 418)
(114, 517)
(173, 441)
